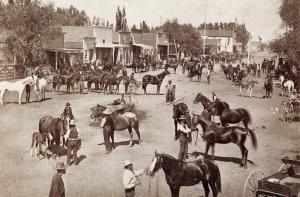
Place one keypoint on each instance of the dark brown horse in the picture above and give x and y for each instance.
(55, 127)
(127, 120)
(213, 133)
(196, 71)
(154, 80)
(180, 173)
(232, 116)
(268, 86)
(68, 80)
(113, 81)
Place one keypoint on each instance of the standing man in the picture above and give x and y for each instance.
(169, 94)
(108, 129)
(130, 178)
(73, 142)
(67, 113)
(208, 75)
(184, 133)
(81, 82)
(57, 186)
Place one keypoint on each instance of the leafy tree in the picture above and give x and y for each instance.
(242, 35)
(121, 21)
(28, 25)
(144, 27)
(69, 17)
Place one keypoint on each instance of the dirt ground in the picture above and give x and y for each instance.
(99, 174)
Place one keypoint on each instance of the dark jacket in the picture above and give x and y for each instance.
(57, 187)
(68, 112)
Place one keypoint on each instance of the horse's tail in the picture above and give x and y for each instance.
(218, 182)
(41, 124)
(253, 138)
(248, 116)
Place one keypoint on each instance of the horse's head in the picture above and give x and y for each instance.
(156, 164)
(97, 111)
(198, 98)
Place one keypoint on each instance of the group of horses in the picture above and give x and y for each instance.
(195, 67)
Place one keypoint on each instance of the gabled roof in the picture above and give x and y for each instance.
(216, 33)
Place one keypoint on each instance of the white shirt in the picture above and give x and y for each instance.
(180, 127)
(130, 179)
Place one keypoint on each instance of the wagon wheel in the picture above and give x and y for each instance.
(251, 185)
(287, 111)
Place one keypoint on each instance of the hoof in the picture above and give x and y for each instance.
(130, 145)
(245, 166)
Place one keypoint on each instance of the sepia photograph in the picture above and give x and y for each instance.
(150, 98)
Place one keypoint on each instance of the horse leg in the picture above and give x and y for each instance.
(136, 128)
(112, 136)
(131, 136)
(206, 187)
(213, 188)
(175, 191)
(206, 148)
(213, 151)
(20, 95)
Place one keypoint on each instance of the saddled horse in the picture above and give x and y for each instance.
(17, 86)
(213, 133)
(180, 173)
(268, 86)
(207, 104)
(41, 87)
(113, 81)
(127, 120)
(154, 80)
(55, 127)
(232, 116)
(196, 71)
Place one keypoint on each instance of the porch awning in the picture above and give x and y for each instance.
(121, 45)
(104, 45)
(143, 46)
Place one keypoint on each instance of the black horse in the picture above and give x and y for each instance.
(231, 116)
(180, 173)
(56, 127)
(196, 71)
(178, 110)
(154, 80)
(213, 133)
(207, 104)
(268, 86)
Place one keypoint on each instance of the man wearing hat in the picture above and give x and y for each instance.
(73, 142)
(57, 186)
(130, 178)
(67, 113)
(184, 133)
(107, 121)
(169, 95)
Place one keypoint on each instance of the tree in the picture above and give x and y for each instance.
(121, 21)
(69, 17)
(144, 27)
(28, 26)
(242, 35)
(289, 42)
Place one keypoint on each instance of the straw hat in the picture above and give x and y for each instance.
(107, 111)
(60, 166)
(72, 122)
(182, 117)
(127, 163)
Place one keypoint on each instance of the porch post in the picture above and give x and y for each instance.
(56, 53)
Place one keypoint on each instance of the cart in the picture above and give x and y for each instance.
(284, 183)
(290, 110)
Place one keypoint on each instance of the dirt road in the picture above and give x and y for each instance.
(101, 175)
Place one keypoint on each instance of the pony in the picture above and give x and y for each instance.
(213, 133)
(180, 173)
(289, 85)
(37, 141)
(55, 127)
(268, 86)
(127, 120)
(232, 116)
(154, 80)
(17, 86)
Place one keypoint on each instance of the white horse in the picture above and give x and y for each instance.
(289, 85)
(281, 79)
(41, 87)
(17, 86)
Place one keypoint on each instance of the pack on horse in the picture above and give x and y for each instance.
(268, 86)
(180, 173)
(154, 80)
(213, 133)
(127, 120)
(232, 116)
(55, 127)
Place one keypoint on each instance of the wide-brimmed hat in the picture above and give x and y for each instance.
(68, 104)
(182, 117)
(60, 166)
(72, 122)
(127, 163)
(107, 111)
(170, 80)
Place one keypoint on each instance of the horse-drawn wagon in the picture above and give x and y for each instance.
(290, 110)
(284, 183)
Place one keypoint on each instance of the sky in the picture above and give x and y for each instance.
(260, 16)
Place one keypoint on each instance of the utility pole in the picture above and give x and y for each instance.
(204, 32)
